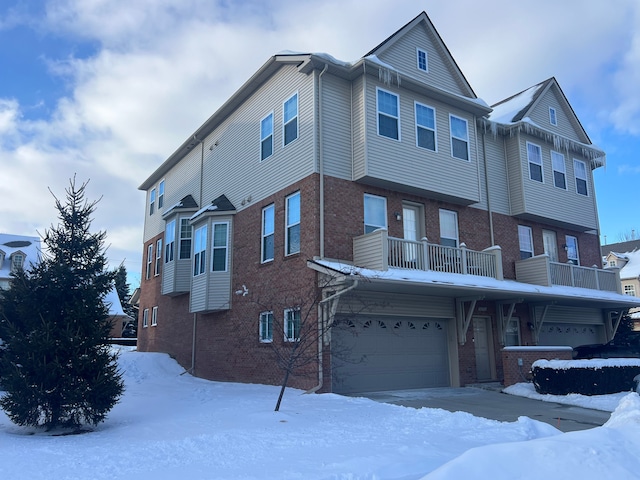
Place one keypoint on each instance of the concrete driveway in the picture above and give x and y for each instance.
(494, 405)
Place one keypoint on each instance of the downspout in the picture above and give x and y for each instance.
(321, 309)
(320, 159)
(486, 187)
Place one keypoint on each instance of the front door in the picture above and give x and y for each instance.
(550, 244)
(412, 231)
(482, 343)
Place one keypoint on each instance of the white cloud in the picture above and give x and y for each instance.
(161, 67)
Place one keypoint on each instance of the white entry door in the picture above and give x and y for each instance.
(550, 244)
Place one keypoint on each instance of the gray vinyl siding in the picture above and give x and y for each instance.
(379, 303)
(514, 173)
(176, 275)
(542, 199)
(181, 180)
(534, 271)
(198, 297)
(404, 165)
(359, 134)
(232, 164)
(497, 175)
(591, 316)
(336, 127)
(540, 116)
(403, 56)
(168, 277)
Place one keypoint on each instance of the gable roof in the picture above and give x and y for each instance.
(424, 19)
(620, 247)
(514, 112)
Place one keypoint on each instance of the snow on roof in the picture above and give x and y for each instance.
(112, 301)
(476, 282)
(506, 111)
(631, 269)
(10, 244)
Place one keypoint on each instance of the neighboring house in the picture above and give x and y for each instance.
(628, 263)
(463, 228)
(19, 251)
(16, 251)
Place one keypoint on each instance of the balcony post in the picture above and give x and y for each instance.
(425, 253)
(497, 254)
(463, 259)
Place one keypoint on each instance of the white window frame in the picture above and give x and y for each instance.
(573, 252)
(156, 267)
(417, 106)
(453, 137)
(200, 255)
(266, 136)
(160, 194)
(17, 261)
(185, 221)
(149, 260)
(525, 236)
(444, 217)
(169, 241)
(559, 166)
(387, 114)
(289, 324)
(152, 201)
(422, 51)
(267, 231)
(582, 178)
(292, 220)
(224, 246)
(372, 224)
(553, 116)
(145, 318)
(535, 161)
(265, 327)
(629, 289)
(154, 316)
(286, 119)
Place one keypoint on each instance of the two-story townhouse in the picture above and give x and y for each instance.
(457, 228)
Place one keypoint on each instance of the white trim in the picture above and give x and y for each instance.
(264, 235)
(296, 117)
(201, 268)
(287, 311)
(453, 215)
(418, 126)
(426, 59)
(553, 116)
(154, 316)
(269, 339)
(149, 261)
(529, 162)
(145, 318)
(287, 226)
(170, 243)
(584, 179)
(270, 114)
(570, 239)
(452, 137)
(158, 261)
(378, 113)
(161, 185)
(558, 156)
(364, 216)
(525, 231)
(152, 201)
(214, 247)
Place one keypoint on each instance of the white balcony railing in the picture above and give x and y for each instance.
(378, 251)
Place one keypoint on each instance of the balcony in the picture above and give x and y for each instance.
(540, 270)
(378, 251)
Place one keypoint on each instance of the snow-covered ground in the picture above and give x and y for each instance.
(170, 426)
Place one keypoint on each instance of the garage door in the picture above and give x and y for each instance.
(375, 353)
(571, 334)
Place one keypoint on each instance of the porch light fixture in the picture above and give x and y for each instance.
(398, 216)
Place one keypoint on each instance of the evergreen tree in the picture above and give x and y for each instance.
(57, 369)
(122, 287)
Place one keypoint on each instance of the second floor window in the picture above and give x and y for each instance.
(158, 256)
(572, 249)
(220, 245)
(375, 213)
(388, 114)
(290, 118)
(268, 221)
(149, 261)
(152, 201)
(534, 156)
(266, 137)
(580, 170)
(449, 228)
(559, 170)
(200, 251)
(459, 137)
(525, 238)
(292, 227)
(169, 241)
(185, 238)
(630, 290)
(425, 127)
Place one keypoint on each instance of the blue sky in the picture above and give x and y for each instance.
(108, 89)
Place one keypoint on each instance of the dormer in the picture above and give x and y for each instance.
(2, 256)
(17, 260)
